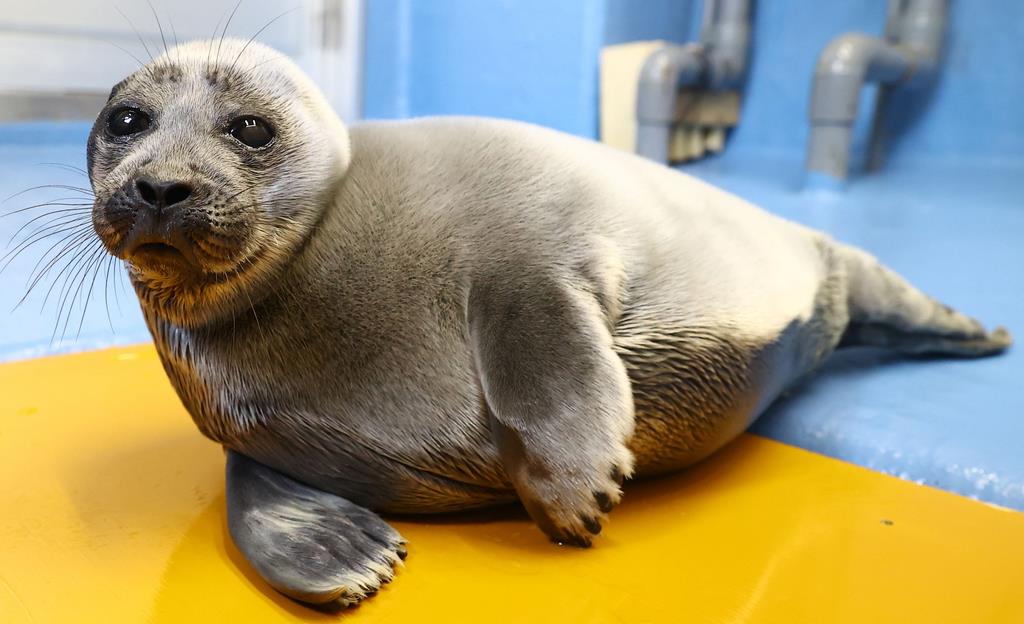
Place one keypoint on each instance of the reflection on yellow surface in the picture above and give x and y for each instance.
(112, 510)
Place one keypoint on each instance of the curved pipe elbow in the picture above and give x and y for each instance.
(853, 59)
(664, 72)
(874, 59)
(845, 65)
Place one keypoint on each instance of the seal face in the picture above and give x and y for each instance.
(449, 313)
(188, 160)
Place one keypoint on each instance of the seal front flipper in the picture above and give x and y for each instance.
(559, 398)
(308, 544)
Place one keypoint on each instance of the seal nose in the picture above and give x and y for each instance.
(162, 195)
(158, 237)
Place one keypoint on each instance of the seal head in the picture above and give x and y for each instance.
(210, 167)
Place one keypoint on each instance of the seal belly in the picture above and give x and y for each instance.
(697, 385)
(694, 389)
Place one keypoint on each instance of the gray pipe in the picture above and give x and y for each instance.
(718, 61)
(909, 53)
(726, 35)
(665, 71)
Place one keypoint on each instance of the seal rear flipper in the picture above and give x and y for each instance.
(308, 544)
(887, 311)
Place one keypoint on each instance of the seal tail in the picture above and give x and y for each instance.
(887, 311)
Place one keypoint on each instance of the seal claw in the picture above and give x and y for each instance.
(592, 524)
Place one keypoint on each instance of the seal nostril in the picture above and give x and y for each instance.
(146, 191)
(176, 193)
(162, 194)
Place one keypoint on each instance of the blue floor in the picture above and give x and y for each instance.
(954, 230)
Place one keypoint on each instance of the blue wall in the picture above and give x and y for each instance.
(672, 20)
(976, 108)
(533, 60)
(973, 110)
(538, 61)
(525, 60)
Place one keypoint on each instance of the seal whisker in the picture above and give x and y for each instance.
(81, 210)
(254, 315)
(74, 285)
(64, 299)
(99, 255)
(79, 202)
(248, 188)
(70, 238)
(55, 211)
(108, 263)
(174, 36)
(40, 274)
(57, 216)
(41, 235)
(159, 26)
(65, 187)
(70, 247)
(65, 167)
(224, 31)
(121, 48)
(117, 279)
(209, 43)
(279, 57)
(86, 265)
(257, 34)
(137, 33)
(13, 254)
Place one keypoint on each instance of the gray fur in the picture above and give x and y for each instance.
(452, 313)
(307, 543)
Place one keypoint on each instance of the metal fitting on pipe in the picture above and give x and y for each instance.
(910, 52)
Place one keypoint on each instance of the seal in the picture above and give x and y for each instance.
(450, 313)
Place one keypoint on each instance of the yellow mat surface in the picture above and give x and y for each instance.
(112, 510)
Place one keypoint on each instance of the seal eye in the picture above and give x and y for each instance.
(251, 131)
(127, 120)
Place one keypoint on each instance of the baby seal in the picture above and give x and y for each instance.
(450, 313)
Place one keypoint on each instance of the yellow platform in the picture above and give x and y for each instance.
(112, 510)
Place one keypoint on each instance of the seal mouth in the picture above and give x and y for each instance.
(159, 256)
(157, 250)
